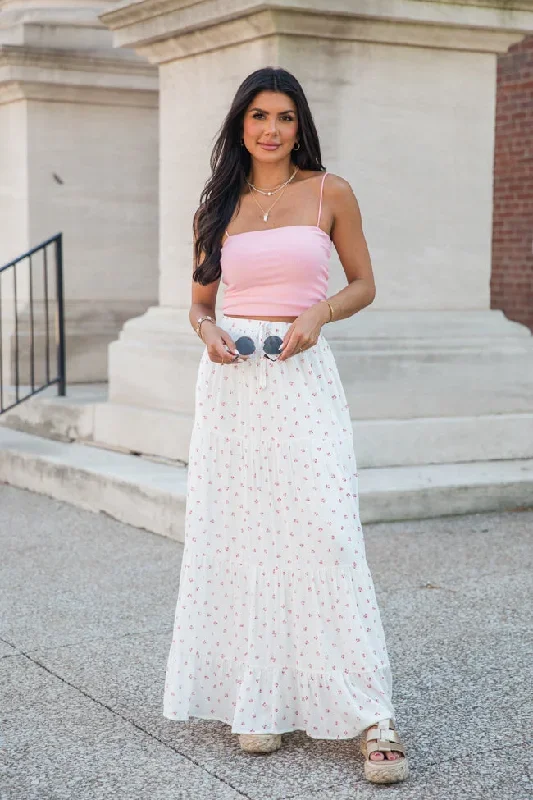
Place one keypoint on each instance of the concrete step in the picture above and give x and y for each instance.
(443, 440)
(66, 419)
(129, 488)
(152, 495)
(83, 417)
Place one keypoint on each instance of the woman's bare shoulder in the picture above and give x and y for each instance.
(307, 174)
(335, 184)
(338, 192)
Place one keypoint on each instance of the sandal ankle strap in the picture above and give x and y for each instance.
(383, 735)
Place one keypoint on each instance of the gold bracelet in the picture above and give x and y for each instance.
(330, 311)
(200, 320)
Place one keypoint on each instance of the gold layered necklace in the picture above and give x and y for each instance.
(279, 189)
(275, 189)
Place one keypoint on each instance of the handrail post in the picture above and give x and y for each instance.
(60, 319)
(56, 318)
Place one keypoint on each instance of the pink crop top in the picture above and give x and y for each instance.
(276, 272)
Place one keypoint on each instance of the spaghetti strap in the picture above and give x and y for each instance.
(320, 206)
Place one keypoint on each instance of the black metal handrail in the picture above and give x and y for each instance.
(57, 299)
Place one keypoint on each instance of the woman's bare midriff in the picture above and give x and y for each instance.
(269, 319)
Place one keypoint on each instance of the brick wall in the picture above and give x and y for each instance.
(512, 254)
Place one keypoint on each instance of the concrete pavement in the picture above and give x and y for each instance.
(87, 612)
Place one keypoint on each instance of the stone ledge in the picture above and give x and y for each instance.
(13, 91)
(43, 58)
(33, 73)
(153, 496)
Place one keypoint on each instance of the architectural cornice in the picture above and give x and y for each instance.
(22, 56)
(62, 5)
(498, 5)
(164, 30)
(83, 17)
(16, 90)
(197, 13)
(70, 76)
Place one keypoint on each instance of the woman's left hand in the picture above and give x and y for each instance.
(304, 331)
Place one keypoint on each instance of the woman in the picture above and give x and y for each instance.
(277, 626)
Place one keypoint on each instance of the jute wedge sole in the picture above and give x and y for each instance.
(260, 742)
(384, 740)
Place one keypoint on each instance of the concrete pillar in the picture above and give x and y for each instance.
(403, 95)
(78, 154)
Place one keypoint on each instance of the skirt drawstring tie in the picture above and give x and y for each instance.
(262, 361)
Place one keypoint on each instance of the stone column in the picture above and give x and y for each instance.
(78, 154)
(403, 95)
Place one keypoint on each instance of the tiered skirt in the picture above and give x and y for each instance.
(276, 626)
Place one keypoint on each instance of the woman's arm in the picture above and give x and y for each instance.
(203, 298)
(203, 301)
(350, 243)
(220, 346)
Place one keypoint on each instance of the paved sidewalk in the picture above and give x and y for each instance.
(87, 612)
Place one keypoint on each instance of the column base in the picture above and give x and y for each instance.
(437, 371)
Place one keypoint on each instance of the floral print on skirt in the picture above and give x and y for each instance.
(276, 627)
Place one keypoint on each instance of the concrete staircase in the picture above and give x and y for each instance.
(485, 463)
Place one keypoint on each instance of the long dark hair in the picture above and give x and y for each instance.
(230, 165)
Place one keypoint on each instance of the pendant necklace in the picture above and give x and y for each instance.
(276, 189)
(267, 212)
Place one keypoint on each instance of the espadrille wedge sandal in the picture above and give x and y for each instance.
(383, 738)
(260, 742)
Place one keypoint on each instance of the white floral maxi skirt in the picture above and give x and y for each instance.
(277, 627)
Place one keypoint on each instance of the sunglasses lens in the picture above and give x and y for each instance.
(272, 345)
(245, 345)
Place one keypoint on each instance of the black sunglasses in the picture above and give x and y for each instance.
(271, 345)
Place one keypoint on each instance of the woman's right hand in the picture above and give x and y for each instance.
(220, 346)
